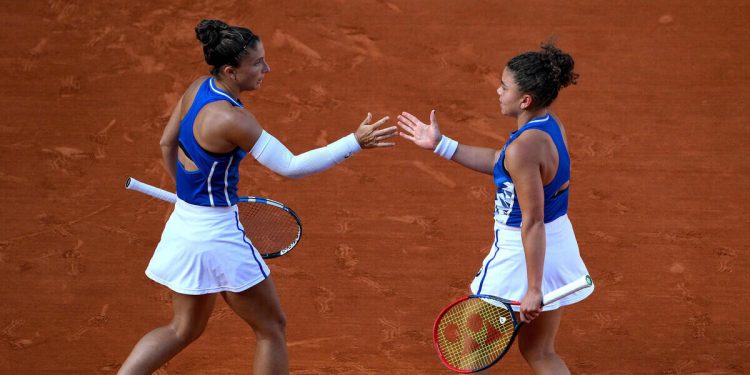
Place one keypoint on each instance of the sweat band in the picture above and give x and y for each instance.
(446, 148)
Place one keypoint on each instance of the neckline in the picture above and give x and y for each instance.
(537, 119)
(223, 93)
(532, 121)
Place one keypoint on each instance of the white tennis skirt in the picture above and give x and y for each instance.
(503, 272)
(205, 250)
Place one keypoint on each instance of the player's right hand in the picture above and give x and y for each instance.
(369, 136)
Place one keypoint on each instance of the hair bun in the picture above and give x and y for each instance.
(560, 64)
(208, 32)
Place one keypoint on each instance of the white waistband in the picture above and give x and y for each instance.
(552, 226)
(185, 207)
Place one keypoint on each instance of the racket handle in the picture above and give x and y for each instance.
(133, 184)
(566, 290)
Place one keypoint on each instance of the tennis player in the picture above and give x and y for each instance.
(535, 250)
(203, 251)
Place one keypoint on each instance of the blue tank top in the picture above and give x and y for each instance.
(215, 182)
(507, 209)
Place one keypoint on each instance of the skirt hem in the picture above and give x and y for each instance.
(201, 291)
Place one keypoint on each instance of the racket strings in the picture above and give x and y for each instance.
(269, 228)
(474, 333)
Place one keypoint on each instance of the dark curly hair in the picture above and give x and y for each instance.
(543, 73)
(224, 44)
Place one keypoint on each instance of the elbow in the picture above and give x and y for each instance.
(287, 172)
(167, 144)
(295, 171)
(533, 222)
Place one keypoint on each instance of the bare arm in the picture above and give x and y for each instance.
(480, 159)
(523, 162)
(168, 140)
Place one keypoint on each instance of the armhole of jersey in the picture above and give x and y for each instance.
(560, 192)
(502, 165)
(184, 150)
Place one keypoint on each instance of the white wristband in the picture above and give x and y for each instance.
(446, 148)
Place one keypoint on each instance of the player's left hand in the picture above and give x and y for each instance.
(369, 136)
(531, 305)
(426, 136)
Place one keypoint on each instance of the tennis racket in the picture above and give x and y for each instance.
(473, 333)
(272, 227)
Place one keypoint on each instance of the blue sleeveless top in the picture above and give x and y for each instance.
(215, 182)
(507, 209)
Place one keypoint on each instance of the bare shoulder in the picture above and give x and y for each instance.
(527, 146)
(189, 95)
(223, 115)
(238, 124)
(193, 87)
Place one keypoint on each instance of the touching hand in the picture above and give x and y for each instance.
(423, 135)
(369, 136)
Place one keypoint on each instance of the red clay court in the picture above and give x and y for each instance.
(658, 132)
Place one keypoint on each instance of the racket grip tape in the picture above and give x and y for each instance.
(557, 294)
(133, 184)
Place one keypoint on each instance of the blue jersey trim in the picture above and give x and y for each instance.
(487, 266)
(541, 119)
(222, 93)
(252, 249)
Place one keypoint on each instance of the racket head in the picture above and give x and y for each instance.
(273, 228)
(474, 332)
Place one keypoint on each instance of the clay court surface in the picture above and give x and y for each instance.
(658, 131)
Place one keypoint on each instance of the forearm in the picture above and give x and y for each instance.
(534, 246)
(480, 159)
(275, 156)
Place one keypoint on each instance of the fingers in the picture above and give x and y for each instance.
(375, 143)
(369, 136)
(381, 134)
(367, 119)
(380, 122)
(411, 118)
(405, 119)
(378, 138)
(405, 123)
(387, 131)
(383, 144)
(527, 315)
(406, 126)
(522, 316)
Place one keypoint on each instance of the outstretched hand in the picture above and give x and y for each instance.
(369, 136)
(423, 135)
